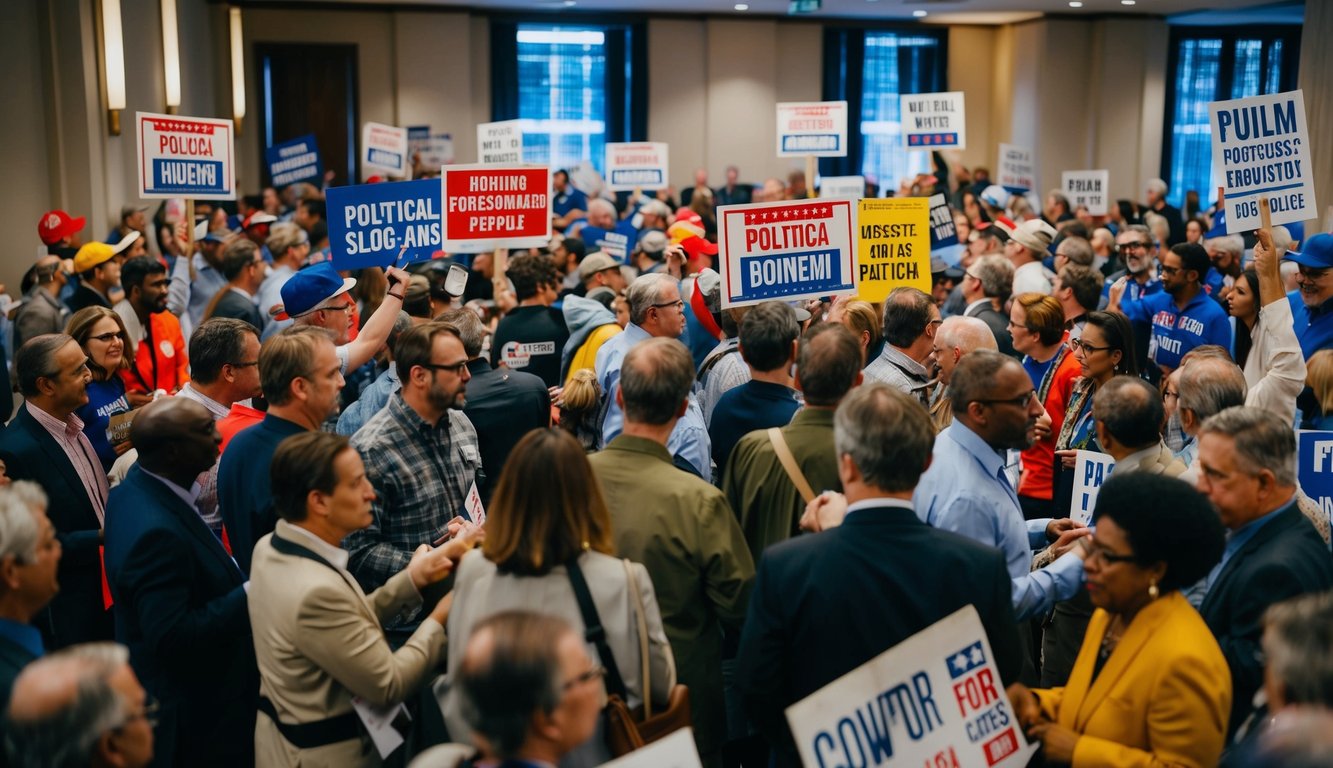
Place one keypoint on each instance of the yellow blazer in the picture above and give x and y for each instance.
(1162, 699)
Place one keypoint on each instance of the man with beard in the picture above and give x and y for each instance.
(159, 360)
(421, 455)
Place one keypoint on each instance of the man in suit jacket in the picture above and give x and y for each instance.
(988, 281)
(180, 600)
(319, 639)
(825, 604)
(45, 443)
(1247, 458)
(733, 192)
(678, 526)
(243, 266)
(29, 555)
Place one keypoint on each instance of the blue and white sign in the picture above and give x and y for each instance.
(842, 187)
(933, 120)
(293, 161)
(812, 128)
(1315, 454)
(417, 135)
(384, 151)
(1018, 170)
(1091, 469)
(935, 699)
(636, 165)
(943, 233)
(1261, 148)
(1089, 189)
(191, 157)
(798, 249)
(369, 224)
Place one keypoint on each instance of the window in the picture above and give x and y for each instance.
(1211, 64)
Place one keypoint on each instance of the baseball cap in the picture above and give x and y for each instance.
(653, 242)
(126, 242)
(1034, 234)
(696, 246)
(595, 262)
(258, 217)
(1317, 253)
(938, 266)
(308, 289)
(995, 195)
(91, 255)
(57, 225)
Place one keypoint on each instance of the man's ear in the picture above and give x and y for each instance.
(684, 406)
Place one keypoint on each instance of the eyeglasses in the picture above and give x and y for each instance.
(1312, 274)
(1096, 552)
(105, 338)
(1129, 247)
(1085, 347)
(150, 714)
(456, 368)
(936, 321)
(588, 676)
(1019, 402)
(244, 365)
(1169, 393)
(678, 304)
(1168, 271)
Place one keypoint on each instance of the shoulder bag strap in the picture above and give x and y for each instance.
(789, 464)
(633, 584)
(593, 631)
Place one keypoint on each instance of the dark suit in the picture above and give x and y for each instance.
(86, 297)
(823, 605)
(13, 658)
(741, 193)
(236, 306)
(181, 609)
(999, 326)
(1285, 558)
(503, 405)
(77, 614)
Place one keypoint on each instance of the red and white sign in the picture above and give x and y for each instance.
(785, 251)
(636, 166)
(817, 128)
(384, 151)
(190, 157)
(496, 206)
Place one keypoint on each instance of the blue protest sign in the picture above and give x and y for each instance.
(943, 234)
(370, 223)
(293, 161)
(1315, 454)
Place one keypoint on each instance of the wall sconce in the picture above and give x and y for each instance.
(171, 57)
(237, 69)
(113, 63)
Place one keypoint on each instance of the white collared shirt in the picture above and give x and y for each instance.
(336, 556)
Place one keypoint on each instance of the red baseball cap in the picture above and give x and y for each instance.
(57, 225)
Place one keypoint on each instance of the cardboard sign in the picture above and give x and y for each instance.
(943, 232)
(1018, 171)
(293, 161)
(1261, 148)
(118, 426)
(384, 151)
(493, 206)
(933, 120)
(842, 187)
(1090, 189)
(1091, 469)
(1315, 454)
(675, 750)
(935, 699)
(369, 224)
(636, 166)
(500, 142)
(893, 249)
(812, 128)
(788, 250)
(191, 157)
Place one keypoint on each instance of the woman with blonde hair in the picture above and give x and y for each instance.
(548, 537)
(102, 336)
(577, 408)
(1319, 375)
(862, 320)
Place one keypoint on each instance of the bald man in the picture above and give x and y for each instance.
(180, 599)
(956, 337)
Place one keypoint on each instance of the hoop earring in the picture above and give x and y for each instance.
(1153, 592)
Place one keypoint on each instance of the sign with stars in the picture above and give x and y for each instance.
(192, 157)
(799, 249)
(933, 121)
(935, 699)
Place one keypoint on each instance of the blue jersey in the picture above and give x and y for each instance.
(1175, 331)
(1314, 327)
(569, 200)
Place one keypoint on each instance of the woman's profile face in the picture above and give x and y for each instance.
(1241, 302)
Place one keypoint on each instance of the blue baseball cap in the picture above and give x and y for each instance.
(306, 290)
(1317, 253)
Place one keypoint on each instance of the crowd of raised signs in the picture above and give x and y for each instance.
(546, 507)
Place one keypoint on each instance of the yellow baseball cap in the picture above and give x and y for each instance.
(91, 255)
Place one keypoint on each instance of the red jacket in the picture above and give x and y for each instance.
(160, 361)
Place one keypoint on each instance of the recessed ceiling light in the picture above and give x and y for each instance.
(742, 7)
(1075, 4)
(1126, 2)
(571, 3)
(919, 14)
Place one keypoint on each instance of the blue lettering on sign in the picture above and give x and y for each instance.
(384, 158)
(187, 177)
(639, 177)
(1316, 467)
(819, 142)
(866, 739)
(370, 223)
(293, 161)
(792, 274)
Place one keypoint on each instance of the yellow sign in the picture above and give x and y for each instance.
(892, 246)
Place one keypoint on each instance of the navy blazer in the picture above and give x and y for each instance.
(1284, 558)
(825, 604)
(77, 613)
(180, 606)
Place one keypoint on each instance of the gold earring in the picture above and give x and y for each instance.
(1153, 592)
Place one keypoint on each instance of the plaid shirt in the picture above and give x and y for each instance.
(421, 474)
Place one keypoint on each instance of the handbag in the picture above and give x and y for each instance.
(627, 729)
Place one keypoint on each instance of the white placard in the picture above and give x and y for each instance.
(789, 250)
(812, 128)
(1017, 170)
(636, 165)
(189, 157)
(500, 142)
(675, 750)
(1261, 148)
(933, 120)
(436, 151)
(384, 150)
(842, 187)
(1091, 469)
(1090, 189)
(935, 699)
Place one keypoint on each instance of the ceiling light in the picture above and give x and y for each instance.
(919, 14)
(742, 7)
(1076, 4)
(1126, 2)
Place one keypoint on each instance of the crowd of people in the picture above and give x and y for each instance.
(260, 511)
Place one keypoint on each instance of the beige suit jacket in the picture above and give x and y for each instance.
(319, 641)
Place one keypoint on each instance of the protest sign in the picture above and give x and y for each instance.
(1091, 469)
(293, 161)
(812, 128)
(675, 750)
(933, 120)
(842, 187)
(631, 166)
(436, 151)
(500, 142)
(1090, 189)
(370, 223)
(1018, 172)
(893, 249)
(189, 157)
(384, 151)
(1315, 455)
(417, 136)
(788, 250)
(496, 206)
(943, 232)
(1261, 148)
(935, 699)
